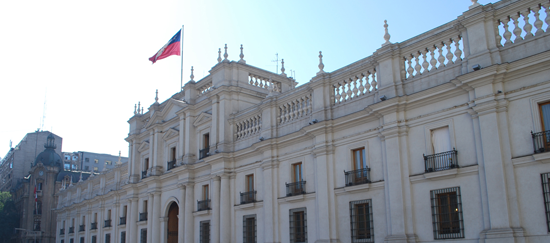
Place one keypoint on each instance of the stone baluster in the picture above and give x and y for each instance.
(538, 21)
(497, 34)
(251, 79)
(344, 93)
(296, 105)
(527, 27)
(458, 52)
(355, 90)
(361, 86)
(248, 128)
(441, 57)
(367, 82)
(337, 93)
(259, 123)
(373, 83)
(256, 83)
(310, 105)
(449, 53)
(349, 90)
(433, 61)
(547, 19)
(287, 112)
(517, 30)
(417, 66)
(507, 34)
(425, 63)
(238, 133)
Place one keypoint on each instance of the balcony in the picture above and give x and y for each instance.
(295, 188)
(93, 226)
(248, 197)
(441, 161)
(107, 223)
(170, 165)
(203, 153)
(71, 230)
(122, 221)
(143, 216)
(203, 205)
(81, 228)
(61, 231)
(144, 174)
(357, 177)
(37, 212)
(541, 141)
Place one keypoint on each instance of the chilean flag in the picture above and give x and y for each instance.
(171, 48)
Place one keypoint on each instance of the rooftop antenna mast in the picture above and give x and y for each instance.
(44, 111)
(276, 61)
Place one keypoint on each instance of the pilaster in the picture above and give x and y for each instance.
(189, 219)
(215, 222)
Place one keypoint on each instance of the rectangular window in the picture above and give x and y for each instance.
(81, 239)
(145, 206)
(107, 238)
(146, 164)
(546, 196)
(250, 183)
(123, 237)
(361, 221)
(143, 236)
(71, 240)
(297, 172)
(39, 187)
(359, 159)
(206, 140)
(96, 161)
(124, 210)
(447, 213)
(107, 162)
(441, 140)
(87, 159)
(204, 231)
(298, 225)
(173, 154)
(96, 169)
(36, 224)
(94, 239)
(249, 228)
(205, 192)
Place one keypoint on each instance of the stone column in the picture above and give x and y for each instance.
(271, 209)
(180, 149)
(151, 152)
(101, 223)
(163, 228)
(225, 208)
(181, 214)
(133, 218)
(88, 225)
(190, 140)
(215, 222)
(156, 217)
(114, 223)
(324, 193)
(150, 218)
(214, 139)
(189, 219)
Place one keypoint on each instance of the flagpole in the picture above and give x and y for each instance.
(181, 54)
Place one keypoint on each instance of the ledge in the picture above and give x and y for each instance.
(531, 159)
(297, 198)
(359, 188)
(247, 206)
(202, 212)
(144, 222)
(445, 174)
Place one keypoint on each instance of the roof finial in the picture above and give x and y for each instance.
(242, 55)
(474, 4)
(142, 110)
(192, 76)
(219, 55)
(135, 112)
(321, 65)
(387, 35)
(157, 96)
(225, 54)
(118, 162)
(283, 68)
(138, 106)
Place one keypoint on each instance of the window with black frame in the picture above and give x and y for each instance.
(123, 237)
(143, 236)
(298, 225)
(204, 231)
(546, 195)
(447, 213)
(249, 228)
(361, 221)
(107, 238)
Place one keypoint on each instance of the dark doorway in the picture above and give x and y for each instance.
(173, 223)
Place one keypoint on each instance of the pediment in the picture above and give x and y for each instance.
(171, 108)
(144, 146)
(202, 119)
(171, 133)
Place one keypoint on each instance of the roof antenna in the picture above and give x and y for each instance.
(43, 111)
(276, 61)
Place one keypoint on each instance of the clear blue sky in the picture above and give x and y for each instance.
(90, 58)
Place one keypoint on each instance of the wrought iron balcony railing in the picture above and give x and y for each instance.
(143, 216)
(61, 231)
(541, 141)
(93, 226)
(144, 174)
(248, 197)
(122, 221)
(295, 188)
(107, 223)
(441, 161)
(71, 230)
(170, 165)
(203, 205)
(81, 228)
(357, 177)
(203, 153)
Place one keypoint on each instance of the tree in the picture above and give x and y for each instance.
(9, 217)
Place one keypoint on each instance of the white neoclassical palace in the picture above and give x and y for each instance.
(439, 138)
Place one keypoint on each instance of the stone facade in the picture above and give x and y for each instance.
(437, 137)
(91, 162)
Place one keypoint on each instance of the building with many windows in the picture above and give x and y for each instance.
(91, 162)
(442, 136)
